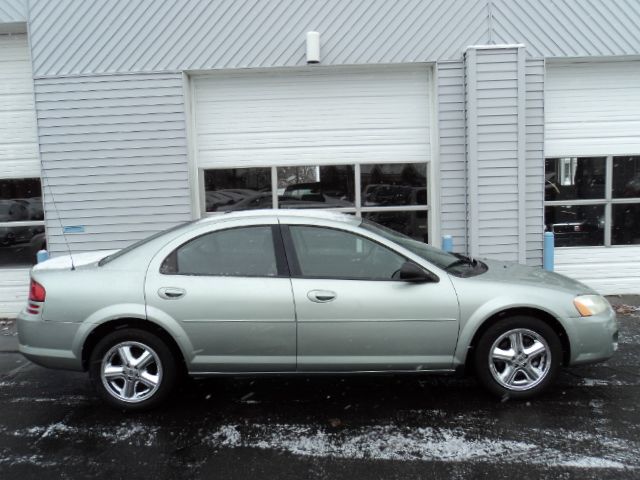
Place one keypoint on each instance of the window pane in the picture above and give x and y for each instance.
(412, 223)
(574, 178)
(232, 189)
(626, 224)
(393, 184)
(19, 245)
(576, 225)
(245, 252)
(20, 200)
(626, 177)
(329, 186)
(327, 253)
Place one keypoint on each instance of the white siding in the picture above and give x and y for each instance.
(451, 116)
(115, 158)
(592, 109)
(313, 116)
(613, 270)
(14, 289)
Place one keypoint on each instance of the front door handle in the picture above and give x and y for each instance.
(171, 293)
(321, 296)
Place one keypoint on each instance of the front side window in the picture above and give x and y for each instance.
(591, 201)
(329, 253)
(238, 252)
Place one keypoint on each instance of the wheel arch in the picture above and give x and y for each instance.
(96, 334)
(546, 317)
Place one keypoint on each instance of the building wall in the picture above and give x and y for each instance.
(114, 153)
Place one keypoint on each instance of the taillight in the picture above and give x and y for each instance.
(37, 292)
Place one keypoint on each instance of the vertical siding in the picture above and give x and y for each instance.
(451, 116)
(114, 155)
(535, 159)
(91, 36)
(492, 146)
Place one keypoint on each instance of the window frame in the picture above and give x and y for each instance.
(282, 265)
(26, 223)
(294, 263)
(608, 201)
(358, 209)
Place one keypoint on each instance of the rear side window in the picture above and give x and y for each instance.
(238, 252)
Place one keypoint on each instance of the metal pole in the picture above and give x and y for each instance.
(549, 243)
(447, 243)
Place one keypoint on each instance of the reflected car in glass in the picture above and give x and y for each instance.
(303, 292)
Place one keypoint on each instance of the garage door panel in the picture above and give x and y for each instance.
(336, 115)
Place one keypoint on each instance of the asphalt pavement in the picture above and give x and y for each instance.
(407, 427)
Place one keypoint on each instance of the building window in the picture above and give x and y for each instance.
(593, 201)
(21, 221)
(393, 194)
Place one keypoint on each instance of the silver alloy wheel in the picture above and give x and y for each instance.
(519, 359)
(131, 371)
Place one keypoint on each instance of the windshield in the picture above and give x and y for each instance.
(139, 243)
(438, 257)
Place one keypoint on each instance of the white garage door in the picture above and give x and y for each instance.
(592, 147)
(316, 115)
(19, 174)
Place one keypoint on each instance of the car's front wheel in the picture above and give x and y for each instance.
(133, 369)
(518, 357)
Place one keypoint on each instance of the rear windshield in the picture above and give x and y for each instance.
(139, 243)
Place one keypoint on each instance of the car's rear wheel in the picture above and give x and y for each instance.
(133, 369)
(518, 357)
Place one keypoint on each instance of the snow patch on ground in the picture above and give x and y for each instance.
(132, 433)
(393, 443)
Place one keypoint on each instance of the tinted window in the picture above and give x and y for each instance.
(626, 177)
(330, 186)
(576, 225)
(230, 189)
(328, 253)
(242, 252)
(575, 178)
(393, 184)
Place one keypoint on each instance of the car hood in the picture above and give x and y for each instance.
(515, 274)
(63, 262)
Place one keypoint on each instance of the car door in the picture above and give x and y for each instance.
(229, 289)
(354, 315)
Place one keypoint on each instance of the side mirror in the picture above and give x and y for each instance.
(410, 272)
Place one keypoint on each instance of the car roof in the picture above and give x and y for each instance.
(308, 214)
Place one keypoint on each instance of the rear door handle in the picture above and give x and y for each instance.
(171, 293)
(321, 296)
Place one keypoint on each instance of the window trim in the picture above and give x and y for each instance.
(607, 201)
(294, 265)
(278, 249)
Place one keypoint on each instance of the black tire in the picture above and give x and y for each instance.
(488, 369)
(163, 367)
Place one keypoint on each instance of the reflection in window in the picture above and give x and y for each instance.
(20, 201)
(330, 186)
(575, 178)
(412, 223)
(328, 253)
(246, 252)
(576, 225)
(19, 245)
(237, 189)
(626, 177)
(626, 224)
(393, 184)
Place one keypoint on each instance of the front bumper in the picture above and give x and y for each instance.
(593, 339)
(47, 343)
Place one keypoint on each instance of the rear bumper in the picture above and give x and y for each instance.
(47, 343)
(593, 339)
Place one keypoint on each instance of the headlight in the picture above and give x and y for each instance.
(588, 305)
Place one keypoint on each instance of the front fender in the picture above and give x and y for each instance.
(490, 308)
